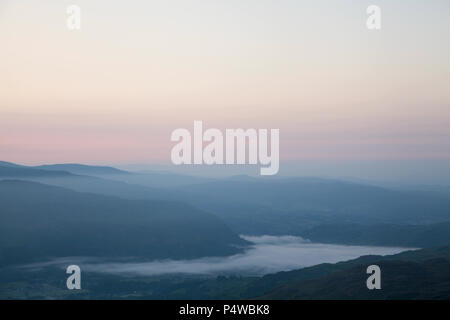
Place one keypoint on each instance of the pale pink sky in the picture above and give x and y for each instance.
(113, 91)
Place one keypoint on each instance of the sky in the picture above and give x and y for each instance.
(342, 96)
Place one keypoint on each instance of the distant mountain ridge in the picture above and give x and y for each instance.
(421, 274)
(82, 169)
(153, 179)
(84, 183)
(9, 164)
(254, 205)
(7, 171)
(74, 168)
(426, 235)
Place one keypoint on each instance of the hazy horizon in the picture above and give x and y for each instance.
(377, 172)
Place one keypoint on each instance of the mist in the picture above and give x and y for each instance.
(267, 254)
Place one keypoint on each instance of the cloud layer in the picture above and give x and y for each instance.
(268, 254)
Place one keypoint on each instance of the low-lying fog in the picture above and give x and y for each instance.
(268, 254)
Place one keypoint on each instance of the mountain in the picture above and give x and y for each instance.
(257, 206)
(417, 274)
(112, 177)
(402, 280)
(430, 235)
(159, 179)
(74, 168)
(9, 164)
(422, 274)
(85, 183)
(291, 205)
(11, 171)
(38, 222)
(82, 169)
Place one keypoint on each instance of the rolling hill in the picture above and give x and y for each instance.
(428, 235)
(39, 221)
(300, 203)
(258, 206)
(84, 183)
(422, 274)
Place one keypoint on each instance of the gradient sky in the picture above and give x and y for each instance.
(114, 91)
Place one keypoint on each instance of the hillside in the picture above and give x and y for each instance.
(292, 205)
(84, 183)
(255, 206)
(428, 235)
(82, 169)
(419, 274)
(39, 221)
(410, 275)
(9, 171)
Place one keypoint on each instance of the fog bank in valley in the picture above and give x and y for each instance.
(267, 254)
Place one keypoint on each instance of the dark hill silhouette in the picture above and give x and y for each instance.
(39, 221)
(421, 274)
